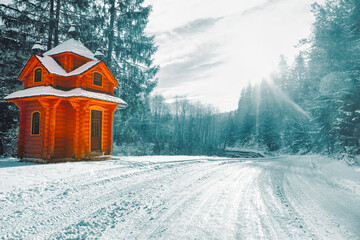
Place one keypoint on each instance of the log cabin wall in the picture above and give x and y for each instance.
(107, 131)
(64, 130)
(78, 61)
(33, 144)
(85, 136)
(29, 79)
(107, 119)
(70, 129)
(65, 82)
(70, 61)
(88, 81)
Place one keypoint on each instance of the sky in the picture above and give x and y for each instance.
(208, 50)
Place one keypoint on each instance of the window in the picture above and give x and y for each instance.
(37, 77)
(97, 79)
(35, 123)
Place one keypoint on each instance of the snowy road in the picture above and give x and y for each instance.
(181, 198)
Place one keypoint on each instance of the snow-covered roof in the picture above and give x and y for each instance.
(98, 54)
(71, 45)
(38, 45)
(53, 67)
(77, 92)
(72, 29)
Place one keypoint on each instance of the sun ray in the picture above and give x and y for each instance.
(281, 94)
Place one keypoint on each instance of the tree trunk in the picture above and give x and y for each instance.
(111, 31)
(51, 25)
(56, 35)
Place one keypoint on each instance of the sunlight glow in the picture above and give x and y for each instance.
(210, 50)
(282, 95)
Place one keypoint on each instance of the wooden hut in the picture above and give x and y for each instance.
(67, 105)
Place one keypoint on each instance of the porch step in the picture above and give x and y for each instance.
(96, 154)
(98, 158)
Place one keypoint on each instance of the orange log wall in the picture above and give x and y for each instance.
(32, 144)
(88, 79)
(106, 130)
(64, 130)
(70, 61)
(29, 80)
(66, 82)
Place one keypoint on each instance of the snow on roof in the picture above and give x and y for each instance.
(53, 67)
(83, 68)
(77, 92)
(73, 46)
(37, 45)
(98, 54)
(72, 29)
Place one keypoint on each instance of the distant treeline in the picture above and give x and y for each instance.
(311, 105)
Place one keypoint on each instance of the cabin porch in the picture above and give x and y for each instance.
(70, 129)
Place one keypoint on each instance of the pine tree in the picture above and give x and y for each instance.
(328, 66)
(246, 116)
(269, 134)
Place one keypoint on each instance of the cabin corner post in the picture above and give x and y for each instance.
(84, 121)
(21, 134)
(46, 127)
(76, 143)
(49, 127)
(52, 124)
(112, 127)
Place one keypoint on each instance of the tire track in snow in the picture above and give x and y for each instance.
(267, 214)
(56, 215)
(174, 215)
(277, 198)
(143, 225)
(218, 209)
(306, 187)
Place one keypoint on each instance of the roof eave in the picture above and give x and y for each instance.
(22, 70)
(121, 105)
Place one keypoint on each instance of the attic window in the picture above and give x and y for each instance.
(97, 79)
(37, 75)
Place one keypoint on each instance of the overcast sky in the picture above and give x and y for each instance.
(210, 49)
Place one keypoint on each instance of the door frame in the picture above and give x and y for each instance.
(97, 108)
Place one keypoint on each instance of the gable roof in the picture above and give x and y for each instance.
(73, 46)
(53, 67)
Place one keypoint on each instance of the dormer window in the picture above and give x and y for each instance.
(38, 75)
(97, 79)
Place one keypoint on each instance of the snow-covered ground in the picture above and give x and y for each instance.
(177, 197)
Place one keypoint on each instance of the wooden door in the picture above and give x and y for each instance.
(96, 126)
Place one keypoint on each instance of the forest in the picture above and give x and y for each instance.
(309, 105)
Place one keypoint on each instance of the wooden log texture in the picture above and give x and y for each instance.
(32, 145)
(64, 130)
